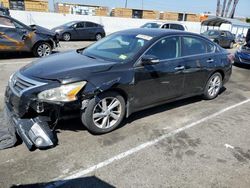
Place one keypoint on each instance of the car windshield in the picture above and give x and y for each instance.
(151, 25)
(69, 24)
(211, 33)
(118, 47)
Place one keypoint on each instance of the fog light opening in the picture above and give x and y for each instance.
(38, 141)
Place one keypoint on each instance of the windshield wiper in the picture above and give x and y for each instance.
(92, 57)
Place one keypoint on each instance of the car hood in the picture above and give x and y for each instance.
(59, 27)
(66, 66)
(42, 30)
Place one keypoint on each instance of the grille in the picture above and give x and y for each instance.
(20, 84)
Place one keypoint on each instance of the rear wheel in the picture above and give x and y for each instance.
(213, 86)
(66, 37)
(104, 113)
(42, 49)
(98, 36)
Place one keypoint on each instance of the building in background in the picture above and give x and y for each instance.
(68, 8)
(135, 13)
(29, 5)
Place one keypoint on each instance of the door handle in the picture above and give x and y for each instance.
(210, 61)
(179, 68)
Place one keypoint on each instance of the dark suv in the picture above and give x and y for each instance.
(224, 38)
(16, 36)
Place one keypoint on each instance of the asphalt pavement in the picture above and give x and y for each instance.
(189, 143)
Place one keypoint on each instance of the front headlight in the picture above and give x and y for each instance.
(64, 93)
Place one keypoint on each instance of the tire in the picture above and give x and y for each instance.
(42, 49)
(98, 36)
(213, 86)
(99, 121)
(66, 36)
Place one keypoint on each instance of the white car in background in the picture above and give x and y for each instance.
(165, 25)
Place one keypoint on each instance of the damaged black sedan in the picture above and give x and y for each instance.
(123, 73)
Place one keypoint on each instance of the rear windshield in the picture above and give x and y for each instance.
(211, 33)
(151, 25)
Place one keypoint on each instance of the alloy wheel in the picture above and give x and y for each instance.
(43, 50)
(214, 86)
(66, 37)
(107, 112)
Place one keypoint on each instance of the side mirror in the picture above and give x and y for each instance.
(149, 60)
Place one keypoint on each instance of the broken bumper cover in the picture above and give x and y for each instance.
(33, 132)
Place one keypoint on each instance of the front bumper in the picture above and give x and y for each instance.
(34, 132)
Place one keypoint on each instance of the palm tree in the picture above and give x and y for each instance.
(231, 15)
(223, 8)
(227, 8)
(218, 8)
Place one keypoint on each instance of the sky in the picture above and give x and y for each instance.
(195, 6)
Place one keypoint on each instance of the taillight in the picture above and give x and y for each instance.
(230, 57)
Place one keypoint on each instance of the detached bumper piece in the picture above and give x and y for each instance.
(34, 132)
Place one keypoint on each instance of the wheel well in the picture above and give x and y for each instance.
(120, 91)
(67, 33)
(221, 72)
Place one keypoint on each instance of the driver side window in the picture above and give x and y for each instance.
(79, 25)
(167, 48)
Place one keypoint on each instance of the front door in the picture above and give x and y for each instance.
(163, 81)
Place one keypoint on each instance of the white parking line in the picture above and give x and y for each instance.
(82, 172)
(15, 63)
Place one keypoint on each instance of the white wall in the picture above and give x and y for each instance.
(111, 24)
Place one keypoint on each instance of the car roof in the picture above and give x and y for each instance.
(155, 32)
(218, 30)
(162, 22)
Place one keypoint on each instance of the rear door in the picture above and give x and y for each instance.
(91, 29)
(199, 58)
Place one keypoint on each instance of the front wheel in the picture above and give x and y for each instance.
(42, 49)
(104, 113)
(66, 37)
(213, 86)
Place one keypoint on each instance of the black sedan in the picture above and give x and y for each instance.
(79, 30)
(123, 73)
(224, 38)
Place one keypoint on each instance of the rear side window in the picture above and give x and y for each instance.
(5, 22)
(90, 24)
(195, 46)
(167, 48)
(177, 27)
